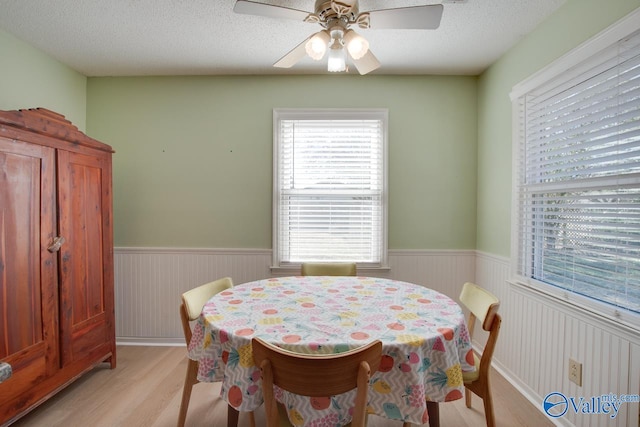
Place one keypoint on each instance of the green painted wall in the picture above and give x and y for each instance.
(193, 162)
(575, 22)
(30, 78)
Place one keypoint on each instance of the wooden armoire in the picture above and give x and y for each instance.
(56, 257)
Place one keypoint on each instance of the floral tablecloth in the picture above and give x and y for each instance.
(426, 344)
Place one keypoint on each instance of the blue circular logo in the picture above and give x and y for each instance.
(555, 404)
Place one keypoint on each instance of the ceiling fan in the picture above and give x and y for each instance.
(336, 18)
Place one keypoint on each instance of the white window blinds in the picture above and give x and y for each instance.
(330, 185)
(578, 180)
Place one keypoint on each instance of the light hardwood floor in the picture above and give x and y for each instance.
(145, 390)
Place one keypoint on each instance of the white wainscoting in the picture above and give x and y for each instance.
(149, 281)
(537, 338)
(539, 335)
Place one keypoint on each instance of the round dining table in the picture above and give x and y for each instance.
(426, 344)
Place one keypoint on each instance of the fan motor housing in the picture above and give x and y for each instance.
(325, 11)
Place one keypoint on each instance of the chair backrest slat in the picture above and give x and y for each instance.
(482, 303)
(196, 298)
(317, 375)
(328, 269)
(193, 300)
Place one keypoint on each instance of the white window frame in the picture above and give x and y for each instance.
(280, 114)
(565, 68)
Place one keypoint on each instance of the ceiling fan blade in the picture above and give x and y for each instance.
(407, 18)
(293, 56)
(366, 64)
(270, 11)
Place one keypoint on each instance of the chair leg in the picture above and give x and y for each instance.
(189, 381)
(433, 408)
(232, 416)
(488, 409)
(467, 397)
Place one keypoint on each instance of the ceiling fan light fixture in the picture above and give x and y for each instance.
(316, 47)
(357, 45)
(336, 17)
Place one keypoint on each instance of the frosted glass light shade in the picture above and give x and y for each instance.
(357, 45)
(316, 46)
(337, 61)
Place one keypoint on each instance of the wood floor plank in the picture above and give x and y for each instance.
(145, 391)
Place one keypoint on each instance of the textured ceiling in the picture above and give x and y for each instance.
(204, 37)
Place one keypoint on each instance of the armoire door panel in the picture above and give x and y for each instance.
(19, 249)
(82, 282)
(28, 325)
(82, 223)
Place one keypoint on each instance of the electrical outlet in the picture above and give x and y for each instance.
(575, 372)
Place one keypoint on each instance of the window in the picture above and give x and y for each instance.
(577, 181)
(330, 184)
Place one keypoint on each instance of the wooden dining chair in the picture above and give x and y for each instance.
(315, 376)
(483, 307)
(192, 303)
(328, 269)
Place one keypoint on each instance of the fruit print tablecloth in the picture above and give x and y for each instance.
(426, 344)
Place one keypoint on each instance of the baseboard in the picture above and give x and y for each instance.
(528, 393)
(151, 342)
